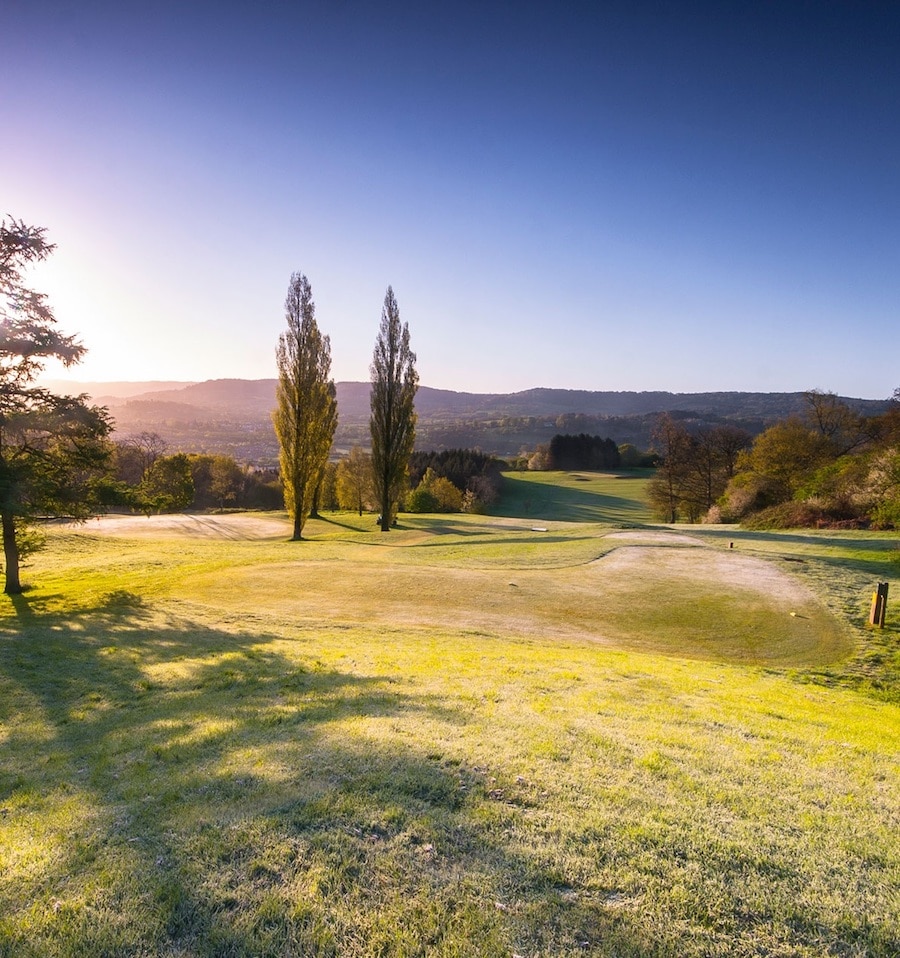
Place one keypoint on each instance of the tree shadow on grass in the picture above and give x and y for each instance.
(814, 539)
(525, 500)
(197, 791)
(331, 521)
(186, 790)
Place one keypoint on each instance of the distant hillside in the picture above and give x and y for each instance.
(234, 415)
(115, 390)
(258, 395)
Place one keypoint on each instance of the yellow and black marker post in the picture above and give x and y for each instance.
(879, 605)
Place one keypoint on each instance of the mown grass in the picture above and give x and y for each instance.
(613, 497)
(341, 747)
(843, 568)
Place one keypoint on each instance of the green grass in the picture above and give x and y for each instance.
(462, 738)
(617, 498)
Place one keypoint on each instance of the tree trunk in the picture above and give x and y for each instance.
(385, 516)
(11, 555)
(298, 526)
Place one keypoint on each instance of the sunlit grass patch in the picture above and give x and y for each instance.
(462, 738)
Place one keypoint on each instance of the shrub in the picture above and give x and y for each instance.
(434, 494)
(449, 498)
(886, 515)
(785, 515)
(802, 515)
(421, 500)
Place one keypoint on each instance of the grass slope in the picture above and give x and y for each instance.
(464, 738)
(577, 496)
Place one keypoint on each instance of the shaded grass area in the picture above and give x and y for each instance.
(190, 766)
(616, 498)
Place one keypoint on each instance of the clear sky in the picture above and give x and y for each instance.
(609, 195)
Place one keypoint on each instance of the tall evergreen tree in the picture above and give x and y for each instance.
(53, 449)
(393, 420)
(306, 415)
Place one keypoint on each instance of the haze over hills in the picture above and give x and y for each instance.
(234, 415)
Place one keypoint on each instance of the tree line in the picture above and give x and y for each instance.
(453, 480)
(143, 476)
(829, 466)
(583, 452)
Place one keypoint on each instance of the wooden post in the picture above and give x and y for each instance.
(879, 605)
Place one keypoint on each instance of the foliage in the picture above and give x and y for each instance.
(393, 421)
(354, 486)
(434, 494)
(666, 489)
(570, 452)
(421, 499)
(539, 460)
(630, 457)
(477, 476)
(219, 482)
(797, 515)
(784, 457)
(53, 449)
(449, 497)
(829, 467)
(263, 490)
(327, 489)
(134, 455)
(843, 429)
(306, 414)
(168, 485)
(694, 467)
(883, 484)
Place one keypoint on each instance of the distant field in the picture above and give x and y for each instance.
(577, 496)
(475, 735)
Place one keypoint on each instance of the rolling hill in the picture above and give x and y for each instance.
(233, 415)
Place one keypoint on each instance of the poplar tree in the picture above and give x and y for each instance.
(306, 415)
(393, 420)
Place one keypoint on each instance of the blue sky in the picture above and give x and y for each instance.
(684, 196)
